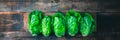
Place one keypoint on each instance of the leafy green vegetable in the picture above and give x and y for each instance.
(87, 25)
(34, 18)
(72, 18)
(46, 26)
(59, 24)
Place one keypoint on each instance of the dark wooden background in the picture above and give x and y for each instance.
(13, 18)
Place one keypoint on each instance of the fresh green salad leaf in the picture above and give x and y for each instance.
(34, 20)
(46, 26)
(87, 25)
(59, 24)
(72, 18)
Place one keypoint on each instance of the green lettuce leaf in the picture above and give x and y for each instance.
(59, 24)
(46, 26)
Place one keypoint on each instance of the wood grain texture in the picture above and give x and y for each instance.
(54, 5)
(45, 0)
(27, 36)
(48, 7)
(62, 5)
(12, 21)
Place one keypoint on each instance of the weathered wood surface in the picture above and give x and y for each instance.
(109, 31)
(48, 7)
(12, 21)
(45, 0)
(27, 36)
(101, 32)
(62, 5)
(18, 9)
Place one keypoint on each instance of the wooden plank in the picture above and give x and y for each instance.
(12, 21)
(47, 1)
(48, 7)
(108, 22)
(26, 35)
(54, 5)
